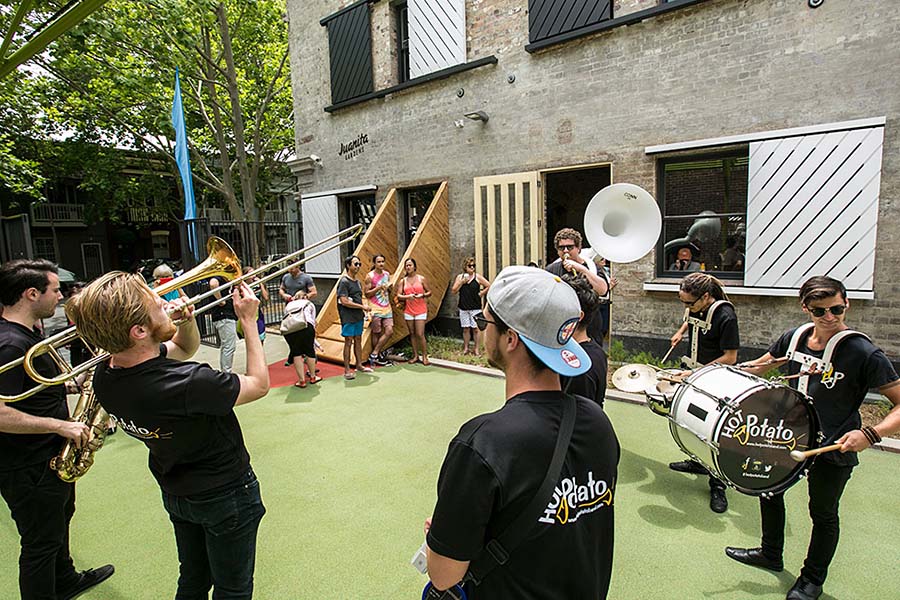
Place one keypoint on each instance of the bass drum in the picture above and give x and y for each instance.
(743, 428)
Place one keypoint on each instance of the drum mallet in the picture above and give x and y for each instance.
(801, 456)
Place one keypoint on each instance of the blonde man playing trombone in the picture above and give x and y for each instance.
(184, 414)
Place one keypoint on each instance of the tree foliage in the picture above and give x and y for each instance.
(110, 82)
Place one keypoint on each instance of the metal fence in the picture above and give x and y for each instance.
(277, 238)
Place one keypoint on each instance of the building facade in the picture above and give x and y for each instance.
(766, 131)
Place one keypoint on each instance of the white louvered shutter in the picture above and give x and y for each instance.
(812, 208)
(437, 35)
(320, 220)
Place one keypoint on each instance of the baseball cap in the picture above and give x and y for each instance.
(544, 311)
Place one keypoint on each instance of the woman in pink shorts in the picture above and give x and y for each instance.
(413, 290)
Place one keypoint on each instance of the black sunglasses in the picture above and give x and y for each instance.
(481, 322)
(565, 247)
(356, 264)
(820, 312)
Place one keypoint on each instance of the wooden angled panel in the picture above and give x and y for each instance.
(437, 35)
(813, 207)
(350, 53)
(547, 18)
(380, 238)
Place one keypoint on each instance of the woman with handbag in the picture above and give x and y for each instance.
(413, 293)
(299, 330)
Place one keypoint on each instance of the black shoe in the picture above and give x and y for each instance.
(86, 580)
(688, 466)
(804, 589)
(718, 503)
(755, 558)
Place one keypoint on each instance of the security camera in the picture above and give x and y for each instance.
(316, 159)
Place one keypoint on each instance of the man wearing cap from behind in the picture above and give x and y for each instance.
(498, 461)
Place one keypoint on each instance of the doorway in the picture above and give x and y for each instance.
(566, 196)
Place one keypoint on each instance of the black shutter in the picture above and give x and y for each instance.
(350, 50)
(547, 18)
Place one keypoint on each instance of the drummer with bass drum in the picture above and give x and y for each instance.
(712, 325)
(836, 366)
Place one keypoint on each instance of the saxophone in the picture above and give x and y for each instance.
(71, 462)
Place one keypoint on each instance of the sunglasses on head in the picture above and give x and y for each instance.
(838, 309)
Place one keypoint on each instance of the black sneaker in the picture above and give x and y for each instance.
(86, 580)
(381, 362)
(688, 466)
(717, 501)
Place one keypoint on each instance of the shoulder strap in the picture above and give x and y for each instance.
(496, 552)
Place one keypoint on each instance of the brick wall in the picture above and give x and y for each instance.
(722, 67)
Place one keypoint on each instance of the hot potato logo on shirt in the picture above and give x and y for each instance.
(141, 433)
(750, 431)
(571, 500)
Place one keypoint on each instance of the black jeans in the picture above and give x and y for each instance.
(216, 537)
(42, 506)
(826, 484)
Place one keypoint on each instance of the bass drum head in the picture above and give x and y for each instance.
(756, 440)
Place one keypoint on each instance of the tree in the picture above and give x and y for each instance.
(112, 79)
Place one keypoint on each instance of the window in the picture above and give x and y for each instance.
(44, 248)
(402, 12)
(549, 18)
(704, 202)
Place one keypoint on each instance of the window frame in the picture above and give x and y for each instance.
(662, 270)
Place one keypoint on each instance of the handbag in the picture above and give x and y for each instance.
(293, 320)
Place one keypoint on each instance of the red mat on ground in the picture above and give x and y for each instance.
(281, 376)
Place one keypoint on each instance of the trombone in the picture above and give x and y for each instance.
(221, 262)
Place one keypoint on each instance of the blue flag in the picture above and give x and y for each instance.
(183, 159)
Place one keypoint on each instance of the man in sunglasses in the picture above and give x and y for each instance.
(836, 367)
(568, 242)
(352, 312)
(498, 461)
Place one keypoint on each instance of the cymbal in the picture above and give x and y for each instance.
(634, 377)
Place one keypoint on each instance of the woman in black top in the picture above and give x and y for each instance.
(471, 288)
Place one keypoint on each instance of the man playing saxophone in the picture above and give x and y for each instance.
(31, 432)
(184, 414)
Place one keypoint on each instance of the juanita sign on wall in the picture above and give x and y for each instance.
(357, 146)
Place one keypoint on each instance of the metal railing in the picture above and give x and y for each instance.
(57, 213)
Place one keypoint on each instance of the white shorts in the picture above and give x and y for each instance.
(409, 317)
(467, 318)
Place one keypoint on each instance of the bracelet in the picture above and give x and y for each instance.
(871, 434)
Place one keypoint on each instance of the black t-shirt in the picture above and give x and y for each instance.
(184, 413)
(351, 289)
(592, 383)
(492, 470)
(722, 334)
(859, 365)
(19, 450)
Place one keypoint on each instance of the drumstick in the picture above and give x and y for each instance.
(672, 347)
(801, 456)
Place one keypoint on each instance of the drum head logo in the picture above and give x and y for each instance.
(570, 358)
(753, 431)
(565, 332)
